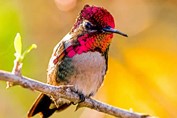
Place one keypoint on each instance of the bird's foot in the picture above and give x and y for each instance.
(81, 98)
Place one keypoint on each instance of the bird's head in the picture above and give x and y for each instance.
(93, 29)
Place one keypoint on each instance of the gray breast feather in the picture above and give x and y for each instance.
(85, 71)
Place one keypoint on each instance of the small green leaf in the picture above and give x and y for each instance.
(33, 46)
(18, 45)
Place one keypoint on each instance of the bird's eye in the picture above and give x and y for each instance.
(88, 26)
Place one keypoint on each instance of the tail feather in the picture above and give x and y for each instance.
(43, 105)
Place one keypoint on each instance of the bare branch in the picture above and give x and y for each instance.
(65, 92)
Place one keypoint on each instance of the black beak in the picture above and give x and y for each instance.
(109, 29)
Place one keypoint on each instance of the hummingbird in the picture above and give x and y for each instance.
(80, 59)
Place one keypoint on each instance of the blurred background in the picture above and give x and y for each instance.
(142, 72)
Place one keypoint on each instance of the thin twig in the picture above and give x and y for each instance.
(65, 92)
(16, 70)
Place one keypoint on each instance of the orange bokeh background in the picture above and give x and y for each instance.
(142, 74)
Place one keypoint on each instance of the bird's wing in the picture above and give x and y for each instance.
(59, 53)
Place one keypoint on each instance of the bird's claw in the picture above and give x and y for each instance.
(81, 98)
